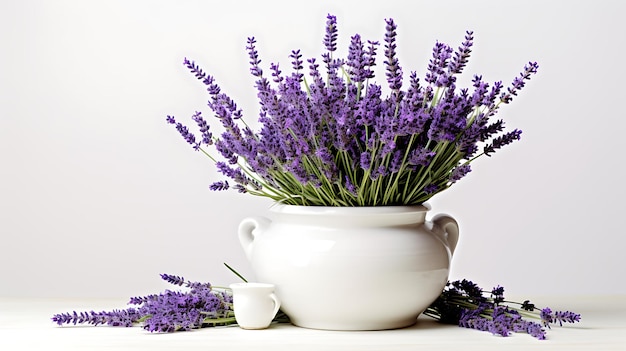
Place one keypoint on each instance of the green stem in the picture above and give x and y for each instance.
(235, 272)
(224, 320)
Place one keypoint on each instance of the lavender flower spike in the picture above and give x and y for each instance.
(548, 317)
(115, 318)
(254, 58)
(394, 72)
(371, 58)
(566, 317)
(207, 136)
(184, 132)
(437, 66)
(461, 56)
(297, 64)
(173, 279)
(219, 186)
(519, 82)
(357, 60)
(459, 172)
(198, 72)
(502, 140)
(330, 39)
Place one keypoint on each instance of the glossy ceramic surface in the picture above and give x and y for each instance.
(255, 304)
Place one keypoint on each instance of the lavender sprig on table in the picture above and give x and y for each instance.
(462, 303)
(169, 311)
(334, 137)
(467, 305)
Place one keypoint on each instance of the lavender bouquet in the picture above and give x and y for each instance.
(172, 310)
(340, 139)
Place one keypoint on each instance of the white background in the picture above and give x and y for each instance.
(98, 195)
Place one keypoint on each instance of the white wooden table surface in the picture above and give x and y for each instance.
(25, 325)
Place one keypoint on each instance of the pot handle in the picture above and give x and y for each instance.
(249, 228)
(276, 304)
(447, 229)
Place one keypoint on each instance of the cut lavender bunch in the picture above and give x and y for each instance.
(337, 138)
(465, 304)
(169, 311)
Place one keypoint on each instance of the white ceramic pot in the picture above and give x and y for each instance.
(351, 268)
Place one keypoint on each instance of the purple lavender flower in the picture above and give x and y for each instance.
(318, 82)
(431, 188)
(461, 56)
(370, 58)
(327, 163)
(396, 161)
(394, 72)
(330, 38)
(469, 138)
(115, 318)
(533, 329)
(519, 82)
(174, 311)
(357, 61)
(254, 58)
(180, 281)
(501, 321)
(184, 132)
(379, 172)
(224, 148)
(459, 172)
(138, 300)
(240, 188)
(497, 294)
(366, 160)
(527, 306)
(493, 128)
(468, 287)
(199, 73)
(173, 279)
(437, 67)
(219, 186)
(369, 108)
(350, 187)
(448, 118)
(546, 316)
(480, 91)
(501, 141)
(549, 317)
(276, 73)
(421, 157)
(207, 136)
(234, 173)
(566, 317)
(490, 99)
(297, 62)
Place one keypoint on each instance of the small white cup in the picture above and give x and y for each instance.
(255, 304)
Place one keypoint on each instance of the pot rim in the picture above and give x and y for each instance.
(343, 210)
